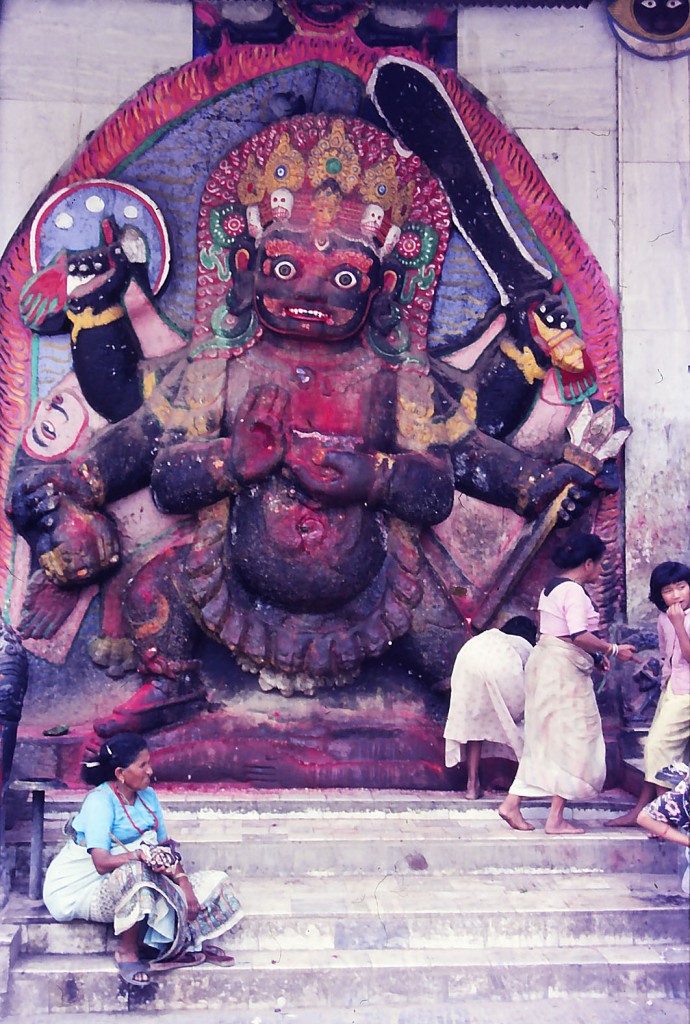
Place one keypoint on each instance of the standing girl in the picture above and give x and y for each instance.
(564, 755)
(669, 733)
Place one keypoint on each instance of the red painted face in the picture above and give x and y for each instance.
(315, 289)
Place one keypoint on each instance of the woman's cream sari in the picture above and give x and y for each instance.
(564, 752)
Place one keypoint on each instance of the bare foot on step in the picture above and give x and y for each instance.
(515, 820)
(563, 828)
(624, 821)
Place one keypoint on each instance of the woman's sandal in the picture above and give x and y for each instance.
(216, 955)
(130, 968)
(183, 960)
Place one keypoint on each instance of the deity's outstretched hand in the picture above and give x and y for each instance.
(38, 492)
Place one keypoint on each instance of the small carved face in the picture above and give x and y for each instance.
(661, 17)
(317, 288)
(282, 201)
(372, 219)
(57, 424)
(95, 273)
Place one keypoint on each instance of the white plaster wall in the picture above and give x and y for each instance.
(610, 131)
(654, 132)
(65, 66)
(551, 76)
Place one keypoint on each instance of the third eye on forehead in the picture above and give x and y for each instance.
(276, 247)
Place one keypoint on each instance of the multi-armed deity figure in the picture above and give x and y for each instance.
(304, 429)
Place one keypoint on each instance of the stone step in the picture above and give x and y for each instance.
(228, 799)
(559, 1009)
(413, 912)
(452, 854)
(262, 979)
(438, 841)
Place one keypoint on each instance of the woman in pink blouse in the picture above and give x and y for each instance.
(564, 755)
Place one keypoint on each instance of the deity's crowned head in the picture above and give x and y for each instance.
(325, 213)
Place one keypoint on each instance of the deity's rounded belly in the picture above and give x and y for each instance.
(295, 553)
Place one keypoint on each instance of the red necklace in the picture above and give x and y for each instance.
(133, 823)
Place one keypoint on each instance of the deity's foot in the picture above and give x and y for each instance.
(115, 654)
(156, 703)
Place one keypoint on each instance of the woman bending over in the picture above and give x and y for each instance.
(564, 755)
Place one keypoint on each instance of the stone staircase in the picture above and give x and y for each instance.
(369, 906)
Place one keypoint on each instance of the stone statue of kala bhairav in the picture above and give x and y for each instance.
(304, 441)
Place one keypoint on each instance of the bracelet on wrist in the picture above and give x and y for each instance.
(613, 653)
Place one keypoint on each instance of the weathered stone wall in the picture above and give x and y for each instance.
(608, 128)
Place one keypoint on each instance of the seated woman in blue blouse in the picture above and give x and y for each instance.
(119, 866)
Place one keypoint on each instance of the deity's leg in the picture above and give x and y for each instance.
(165, 636)
(437, 632)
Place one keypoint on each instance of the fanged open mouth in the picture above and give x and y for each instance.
(312, 315)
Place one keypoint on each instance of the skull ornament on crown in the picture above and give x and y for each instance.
(329, 184)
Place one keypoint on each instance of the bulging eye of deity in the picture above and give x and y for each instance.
(284, 270)
(311, 291)
(345, 279)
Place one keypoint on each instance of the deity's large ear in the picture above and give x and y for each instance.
(386, 334)
(385, 313)
(243, 258)
(390, 281)
(240, 295)
(385, 309)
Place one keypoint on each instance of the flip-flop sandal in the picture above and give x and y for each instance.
(184, 960)
(216, 955)
(129, 968)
